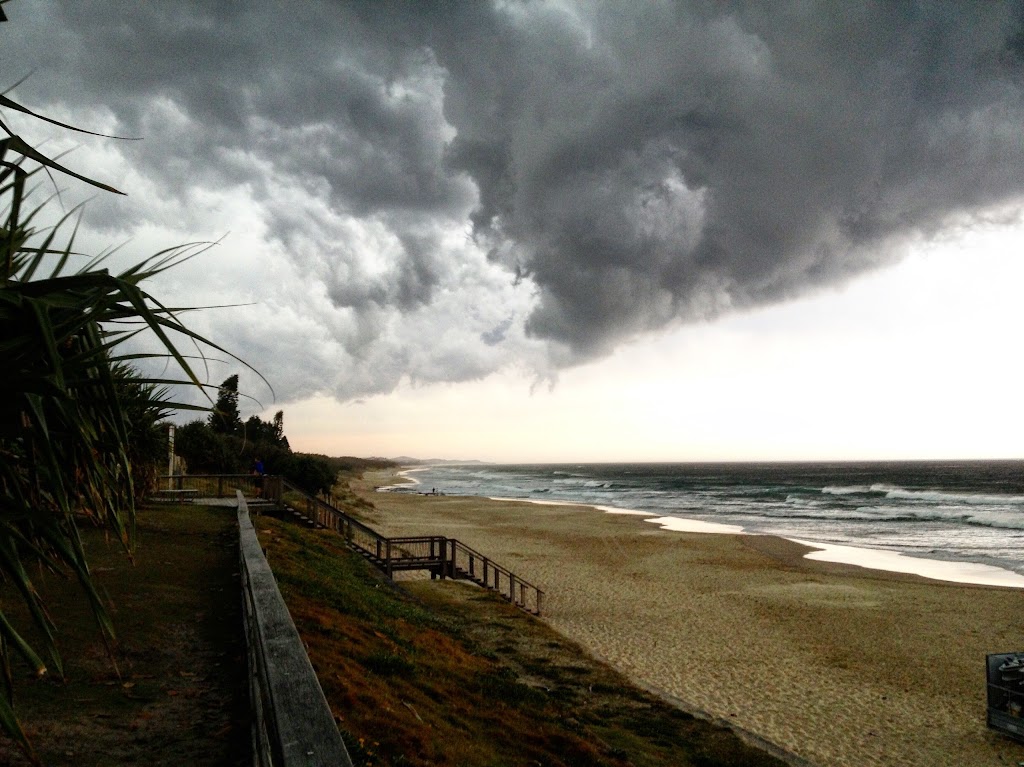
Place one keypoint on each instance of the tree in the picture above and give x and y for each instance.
(205, 447)
(200, 447)
(225, 418)
(269, 433)
(278, 430)
(310, 473)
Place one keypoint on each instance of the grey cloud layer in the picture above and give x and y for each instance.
(667, 162)
(628, 165)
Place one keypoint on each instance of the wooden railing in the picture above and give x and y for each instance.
(441, 556)
(222, 485)
(467, 563)
(292, 723)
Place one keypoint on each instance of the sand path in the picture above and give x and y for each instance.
(837, 664)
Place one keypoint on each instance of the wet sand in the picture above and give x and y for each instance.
(836, 664)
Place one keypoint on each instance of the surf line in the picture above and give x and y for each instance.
(974, 573)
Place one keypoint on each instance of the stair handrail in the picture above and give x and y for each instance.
(511, 578)
(381, 547)
(385, 549)
(338, 514)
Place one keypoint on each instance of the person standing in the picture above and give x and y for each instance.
(257, 471)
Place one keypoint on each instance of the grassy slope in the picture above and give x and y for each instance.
(181, 696)
(441, 673)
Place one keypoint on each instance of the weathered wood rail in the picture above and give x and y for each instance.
(218, 485)
(466, 563)
(441, 556)
(292, 723)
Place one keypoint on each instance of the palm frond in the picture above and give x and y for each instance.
(78, 424)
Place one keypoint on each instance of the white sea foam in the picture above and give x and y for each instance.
(612, 510)
(945, 497)
(895, 562)
(872, 559)
(677, 524)
(537, 501)
(684, 525)
(846, 489)
(935, 496)
(407, 473)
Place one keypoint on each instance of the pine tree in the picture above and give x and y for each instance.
(225, 418)
(279, 428)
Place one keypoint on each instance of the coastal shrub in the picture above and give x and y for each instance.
(386, 663)
(223, 444)
(504, 685)
(310, 473)
(200, 447)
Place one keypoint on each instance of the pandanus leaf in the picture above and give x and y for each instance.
(65, 439)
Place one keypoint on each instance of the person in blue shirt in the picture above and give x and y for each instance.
(257, 470)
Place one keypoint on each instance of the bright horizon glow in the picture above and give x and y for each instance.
(916, 361)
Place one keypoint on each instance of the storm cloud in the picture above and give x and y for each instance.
(433, 192)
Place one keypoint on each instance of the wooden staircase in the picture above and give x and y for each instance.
(441, 556)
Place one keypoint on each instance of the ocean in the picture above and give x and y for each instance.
(965, 512)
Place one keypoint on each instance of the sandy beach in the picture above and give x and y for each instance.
(836, 664)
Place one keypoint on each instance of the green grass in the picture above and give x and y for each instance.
(432, 673)
(440, 673)
(177, 694)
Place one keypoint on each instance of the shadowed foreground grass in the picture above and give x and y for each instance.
(443, 673)
(181, 696)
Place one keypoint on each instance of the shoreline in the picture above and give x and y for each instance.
(836, 664)
(885, 560)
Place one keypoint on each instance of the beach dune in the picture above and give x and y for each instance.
(835, 664)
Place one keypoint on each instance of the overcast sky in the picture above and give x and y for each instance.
(568, 230)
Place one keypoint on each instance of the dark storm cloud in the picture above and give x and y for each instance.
(293, 84)
(635, 164)
(654, 162)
